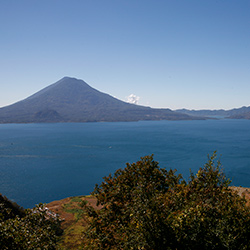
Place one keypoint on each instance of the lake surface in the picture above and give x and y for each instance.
(46, 162)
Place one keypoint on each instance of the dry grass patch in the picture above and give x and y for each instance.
(72, 213)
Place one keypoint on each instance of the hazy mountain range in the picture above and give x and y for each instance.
(237, 113)
(73, 100)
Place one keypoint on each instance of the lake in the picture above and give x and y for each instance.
(46, 162)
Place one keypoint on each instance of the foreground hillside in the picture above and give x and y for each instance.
(147, 207)
(140, 207)
(72, 215)
(71, 212)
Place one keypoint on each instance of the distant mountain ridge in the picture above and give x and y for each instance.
(73, 100)
(237, 113)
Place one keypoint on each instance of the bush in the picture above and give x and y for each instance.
(147, 207)
(27, 228)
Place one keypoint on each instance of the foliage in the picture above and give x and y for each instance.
(147, 207)
(209, 214)
(27, 229)
(9, 209)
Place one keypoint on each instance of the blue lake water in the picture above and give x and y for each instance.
(46, 162)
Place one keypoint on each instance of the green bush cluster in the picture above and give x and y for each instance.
(147, 207)
(27, 228)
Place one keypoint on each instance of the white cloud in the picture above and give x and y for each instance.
(133, 99)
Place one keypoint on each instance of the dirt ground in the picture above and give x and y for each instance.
(68, 218)
(73, 219)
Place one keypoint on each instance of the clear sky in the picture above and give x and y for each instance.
(168, 53)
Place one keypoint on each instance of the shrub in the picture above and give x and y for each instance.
(27, 228)
(147, 207)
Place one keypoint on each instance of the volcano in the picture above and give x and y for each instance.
(73, 100)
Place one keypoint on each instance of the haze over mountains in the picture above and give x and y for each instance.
(73, 100)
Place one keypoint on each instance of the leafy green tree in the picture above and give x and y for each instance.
(131, 214)
(210, 215)
(147, 207)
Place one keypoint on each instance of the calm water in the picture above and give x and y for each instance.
(46, 162)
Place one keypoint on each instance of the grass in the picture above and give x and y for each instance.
(72, 210)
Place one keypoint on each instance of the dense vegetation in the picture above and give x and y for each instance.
(147, 207)
(27, 229)
(141, 206)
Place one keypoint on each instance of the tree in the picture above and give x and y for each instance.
(27, 228)
(144, 206)
(209, 215)
(131, 208)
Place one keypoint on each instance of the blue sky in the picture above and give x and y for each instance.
(171, 54)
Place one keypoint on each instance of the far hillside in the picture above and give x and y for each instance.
(237, 113)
